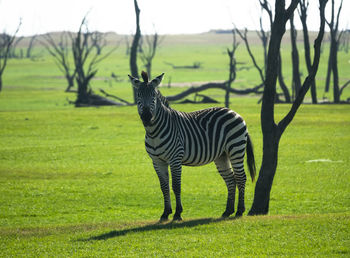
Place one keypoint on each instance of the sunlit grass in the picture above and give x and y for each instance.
(78, 182)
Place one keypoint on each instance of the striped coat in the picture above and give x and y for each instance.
(175, 138)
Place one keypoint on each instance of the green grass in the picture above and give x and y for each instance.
(78, 182)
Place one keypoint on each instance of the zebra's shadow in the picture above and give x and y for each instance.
(157, 226)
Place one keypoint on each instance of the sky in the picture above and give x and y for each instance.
(163, 16)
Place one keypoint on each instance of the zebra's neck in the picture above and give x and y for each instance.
(162, 119)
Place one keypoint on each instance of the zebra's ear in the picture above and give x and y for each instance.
(136, 83)
(156, 81)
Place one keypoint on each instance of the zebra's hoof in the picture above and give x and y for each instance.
(177, 218)
(226, 214)
(239, 214)
(162, 220)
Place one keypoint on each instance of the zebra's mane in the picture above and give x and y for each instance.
(162, 99)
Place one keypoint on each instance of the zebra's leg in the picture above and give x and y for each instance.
(240, 177)
(163, 175)
(176, 184)
(223, 165)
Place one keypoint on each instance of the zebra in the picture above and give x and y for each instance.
(175, 138)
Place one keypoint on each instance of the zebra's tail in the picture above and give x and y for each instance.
(250, 158)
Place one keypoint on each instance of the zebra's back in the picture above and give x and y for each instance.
(209, 133)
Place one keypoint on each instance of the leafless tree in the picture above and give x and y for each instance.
(272, 132)
(302, 10)
(333, 52)
(243, 36)
(264, 37)
(148, 50)
(98, 40)
(232, 67)
(296, 81)
(13, 51)
(60, 51)
(30, 46)
(266, 6)
(85, 61)
(6, 42)
(345, 41)
(127, 44)
(134, 48)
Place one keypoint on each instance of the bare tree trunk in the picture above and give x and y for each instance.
(333, 54)
(232, 67)
(267, 172)
(329, 70)
(272, 132)
(70, 80)
(336, 95)
(296, 83)
(30, 46)
(133, 51)
(6, 44)
(304, 4)
(281, 80)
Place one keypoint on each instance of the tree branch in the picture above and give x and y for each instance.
(309, 79)
(207, 86)
(244, 38)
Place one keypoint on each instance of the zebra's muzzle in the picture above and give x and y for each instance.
(146, 117)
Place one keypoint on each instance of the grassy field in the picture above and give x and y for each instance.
(78, 182)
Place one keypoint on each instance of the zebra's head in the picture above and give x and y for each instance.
(146, 96)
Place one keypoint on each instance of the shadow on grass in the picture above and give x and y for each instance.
(157, 226)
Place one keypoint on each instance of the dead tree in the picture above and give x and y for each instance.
(303, 7)
(195, 65)
(266, 6)
(6, 42)
(333, 53)
(264, 37)
(213, 85)
(85, 61)
(232, 67)
(296, 82)
(13, 50)
(127, 44)
(262, 72)
(98, 40)
(272, 132)
(345, 41)
(134, 48)
(226, 86)
(30, 46)
(60, 51)
(148, 50)
(244, 37)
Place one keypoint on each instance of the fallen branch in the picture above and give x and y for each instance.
(115, 97)
(207, 86)
(343, 87)
(97, 100)
(196, 65)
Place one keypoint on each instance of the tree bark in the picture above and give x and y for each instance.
(133, 51)
(267, 172)
(296, 83)
(70, 80)
(329, 70)
(303, 18)
(336, 95)
(333, 53)
(272, 132)
(281, 82)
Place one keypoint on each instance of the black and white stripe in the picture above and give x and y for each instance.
(175, 138)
